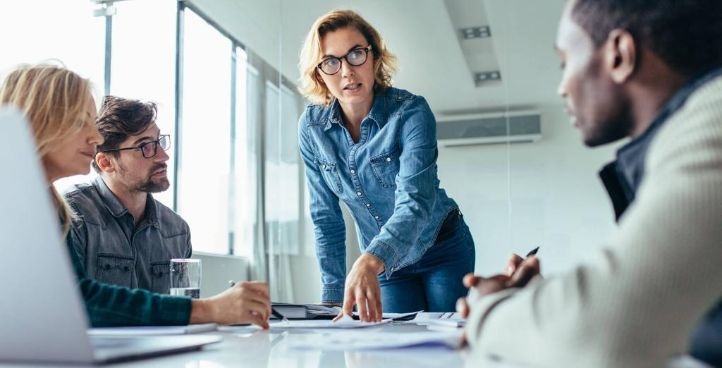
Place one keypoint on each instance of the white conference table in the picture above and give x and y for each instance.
(253, 348)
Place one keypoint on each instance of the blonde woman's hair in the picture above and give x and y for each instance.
(53, 100)
(311, 85)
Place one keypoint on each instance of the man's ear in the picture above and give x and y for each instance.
(105, 162)
(620, 55)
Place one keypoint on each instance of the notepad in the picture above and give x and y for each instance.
(306, 311)
(153, 330)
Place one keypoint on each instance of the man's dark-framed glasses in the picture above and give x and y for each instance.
(148, 149)
(356, 57)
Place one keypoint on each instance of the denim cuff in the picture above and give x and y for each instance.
(332, 295)
(387, 254)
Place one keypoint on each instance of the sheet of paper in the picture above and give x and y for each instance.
(345, 322)
(152, 330)
(430, 316)
(447, 319)
(374, 340)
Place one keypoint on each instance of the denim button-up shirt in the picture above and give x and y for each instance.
(116, 251)
(388, 180)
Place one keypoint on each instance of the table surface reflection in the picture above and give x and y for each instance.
(254, 348)
(251, 347)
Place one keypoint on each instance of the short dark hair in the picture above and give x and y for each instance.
(120, 118)
(685, 34)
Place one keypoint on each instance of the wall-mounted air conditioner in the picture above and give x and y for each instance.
(492, 128)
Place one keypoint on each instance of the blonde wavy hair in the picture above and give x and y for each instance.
(311, 85)
(53, 100)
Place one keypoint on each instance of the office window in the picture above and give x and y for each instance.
(143, 64)
(64, 31)
(35, 31)
(282, 185)
(244, 209)
(204, 174)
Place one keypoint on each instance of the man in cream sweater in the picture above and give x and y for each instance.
(651, 71)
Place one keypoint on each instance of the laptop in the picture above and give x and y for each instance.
(42, 315)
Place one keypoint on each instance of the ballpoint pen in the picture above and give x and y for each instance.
(532, 252)
(274, 312)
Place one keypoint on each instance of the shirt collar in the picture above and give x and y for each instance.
(378, 112)
(629, 165)
(675, 103)
(117, 209)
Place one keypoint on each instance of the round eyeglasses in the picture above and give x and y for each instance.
(356, 57)
(148, 149)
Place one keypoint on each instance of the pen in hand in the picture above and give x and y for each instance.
(473, 294)
(532, 252)
(274, 312)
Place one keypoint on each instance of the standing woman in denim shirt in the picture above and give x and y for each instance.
(374, 147)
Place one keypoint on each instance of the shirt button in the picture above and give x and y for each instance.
(368, 204)
(353, 171)
(376, 217)
(388, 159)
(358, 194)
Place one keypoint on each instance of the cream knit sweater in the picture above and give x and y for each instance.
(636, 303)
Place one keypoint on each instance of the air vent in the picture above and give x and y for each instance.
(487, 77)
(474, 35)
(475, 32)
(477, 129)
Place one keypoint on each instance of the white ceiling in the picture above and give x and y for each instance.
(421, 34)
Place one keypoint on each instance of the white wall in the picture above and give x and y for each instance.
(548, 195)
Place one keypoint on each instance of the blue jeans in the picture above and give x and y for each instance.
(434, 283)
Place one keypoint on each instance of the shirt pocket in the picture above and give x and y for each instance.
(160, 273)
(330, 175)
(114, 269)
(385, 168)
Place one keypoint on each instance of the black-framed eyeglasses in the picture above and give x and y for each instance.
(149, 149)
(356, 57)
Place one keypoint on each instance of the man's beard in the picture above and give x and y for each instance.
(155, 187)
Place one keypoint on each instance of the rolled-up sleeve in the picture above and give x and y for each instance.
(329, 227)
